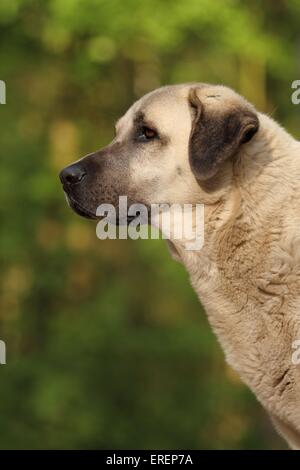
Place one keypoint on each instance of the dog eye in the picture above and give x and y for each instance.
(146, 133)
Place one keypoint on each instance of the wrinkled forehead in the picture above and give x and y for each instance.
(166, 108)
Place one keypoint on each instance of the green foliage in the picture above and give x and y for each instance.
(107, 346)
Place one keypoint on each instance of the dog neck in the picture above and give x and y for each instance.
(244, 272)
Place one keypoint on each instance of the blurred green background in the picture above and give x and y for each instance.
(107, 345)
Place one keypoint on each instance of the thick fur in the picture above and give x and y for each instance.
(247, 274)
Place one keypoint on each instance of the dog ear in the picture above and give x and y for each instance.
(217, 135)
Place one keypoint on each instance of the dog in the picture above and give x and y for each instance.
(200, 143)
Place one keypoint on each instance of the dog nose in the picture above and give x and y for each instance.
(72, 174)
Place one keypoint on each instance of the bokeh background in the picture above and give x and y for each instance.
(107, 345)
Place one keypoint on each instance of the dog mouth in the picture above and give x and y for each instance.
(79, 209)
(87, 214)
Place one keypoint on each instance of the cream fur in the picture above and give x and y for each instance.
(247, 275)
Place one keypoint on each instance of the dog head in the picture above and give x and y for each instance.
(176, 144)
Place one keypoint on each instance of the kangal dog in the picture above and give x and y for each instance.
(199, 143)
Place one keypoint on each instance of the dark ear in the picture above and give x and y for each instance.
(217, 135)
